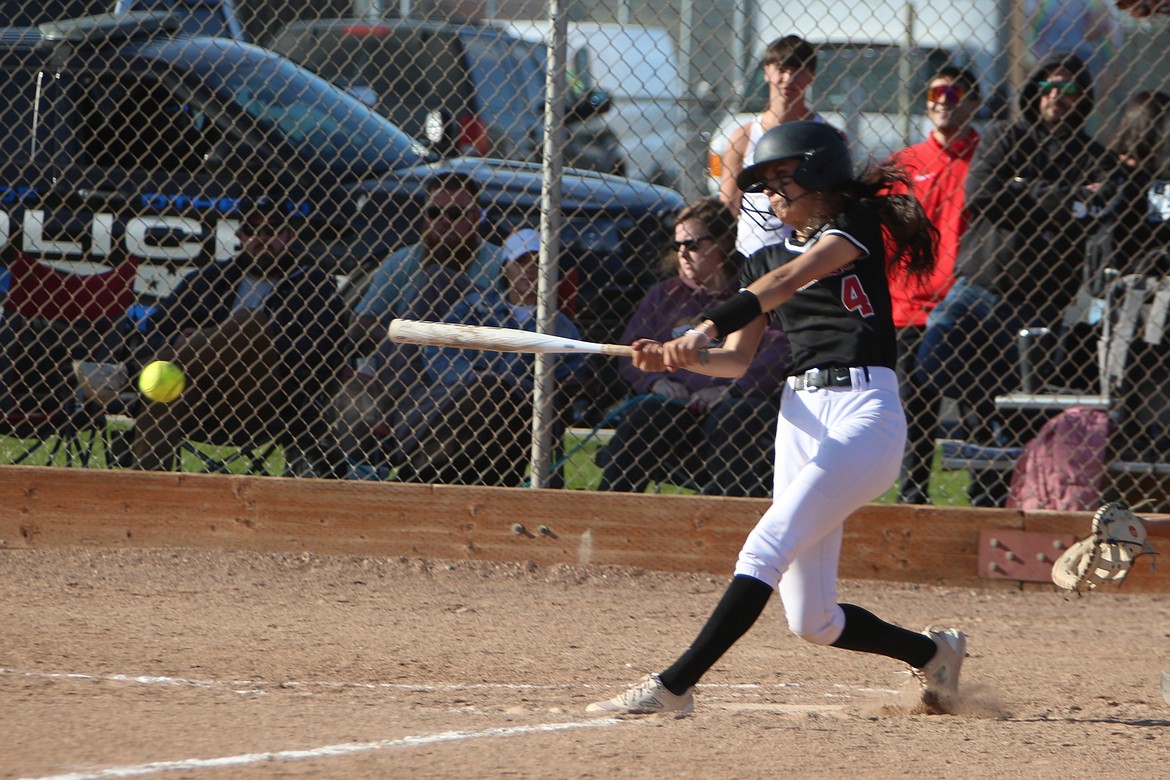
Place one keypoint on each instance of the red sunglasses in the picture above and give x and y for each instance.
(946, 93)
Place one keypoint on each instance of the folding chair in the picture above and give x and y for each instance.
(235, 426)
(1134, 372)
(1056, 371)
(52, 320)
(1135, 369)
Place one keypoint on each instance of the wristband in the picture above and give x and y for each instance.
(737, 311)
(697, 332)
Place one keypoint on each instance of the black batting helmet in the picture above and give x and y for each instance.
(825, 162)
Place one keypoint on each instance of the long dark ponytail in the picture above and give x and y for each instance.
(914, 235)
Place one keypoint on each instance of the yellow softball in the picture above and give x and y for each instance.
(162, 381)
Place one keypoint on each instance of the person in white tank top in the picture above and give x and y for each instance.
(790, 65)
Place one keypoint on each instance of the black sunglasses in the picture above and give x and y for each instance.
(452, 213)
(248, 229)
(691, 244)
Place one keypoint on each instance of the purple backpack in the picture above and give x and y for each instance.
(1064, 466)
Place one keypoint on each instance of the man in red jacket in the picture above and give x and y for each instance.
(938, 172)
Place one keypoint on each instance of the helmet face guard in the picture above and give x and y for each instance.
(824, 166)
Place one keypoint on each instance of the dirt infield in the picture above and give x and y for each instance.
(204, 664)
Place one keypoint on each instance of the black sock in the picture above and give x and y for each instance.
(867, 633)
(742, 602)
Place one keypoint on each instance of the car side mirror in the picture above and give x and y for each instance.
(594, 103)
(439, 132)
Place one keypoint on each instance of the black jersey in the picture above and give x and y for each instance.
(842, 320)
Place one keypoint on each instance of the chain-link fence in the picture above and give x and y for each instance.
(207, 202)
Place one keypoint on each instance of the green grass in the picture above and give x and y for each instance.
(947, 488)
(91, 445)
(582, 473)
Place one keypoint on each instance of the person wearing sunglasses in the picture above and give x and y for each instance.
(259, 337)
(422, 281)
(790, 66)
(469, 419)
(841, 430)
(938, 169)
(1037, 189)
(685, 428)
(449, 240)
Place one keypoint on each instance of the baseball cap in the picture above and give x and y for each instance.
(520, 243)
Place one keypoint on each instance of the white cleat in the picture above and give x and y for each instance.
(646, 697)
(940, 677)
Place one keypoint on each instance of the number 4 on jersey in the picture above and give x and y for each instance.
(854, 297)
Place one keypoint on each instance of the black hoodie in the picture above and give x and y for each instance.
(1029, 211)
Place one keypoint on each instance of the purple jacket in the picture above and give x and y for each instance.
(671, 307)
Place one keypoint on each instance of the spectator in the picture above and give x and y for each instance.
(1142, 144)
(1033, 192)
(938, 168)
(450, 239)
(468, 418)
(510, 304)
(715, 433)
(790, 66)
(422, 281)
(260, 338)
(1139, 236)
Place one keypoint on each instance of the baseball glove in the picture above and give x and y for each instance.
(1107, 555)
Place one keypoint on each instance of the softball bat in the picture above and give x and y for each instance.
(446, 334)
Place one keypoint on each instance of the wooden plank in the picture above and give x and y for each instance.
(919, 543)
(48, 507)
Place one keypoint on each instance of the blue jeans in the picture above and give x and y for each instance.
(969, 351)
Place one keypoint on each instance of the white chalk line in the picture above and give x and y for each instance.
(326, 751)
(261, 688)
(330, 751)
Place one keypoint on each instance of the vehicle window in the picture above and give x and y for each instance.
(533, 57)
(400, 73)
(325, 124)
(578, 75)
(114, 112)
(502, 77)
(194, 19)
(865, 76)
(416, 71)
(18, 89)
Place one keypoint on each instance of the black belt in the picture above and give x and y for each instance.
(817, 378)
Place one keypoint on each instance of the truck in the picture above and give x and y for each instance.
(81, 186)
(637, 66)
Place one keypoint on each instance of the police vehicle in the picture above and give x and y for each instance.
(121, 136)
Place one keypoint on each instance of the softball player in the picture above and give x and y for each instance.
(841, 432)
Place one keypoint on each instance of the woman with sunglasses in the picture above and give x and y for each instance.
(684, 428)
(841, 429)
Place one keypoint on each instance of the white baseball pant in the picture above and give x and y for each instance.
(837, 449)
